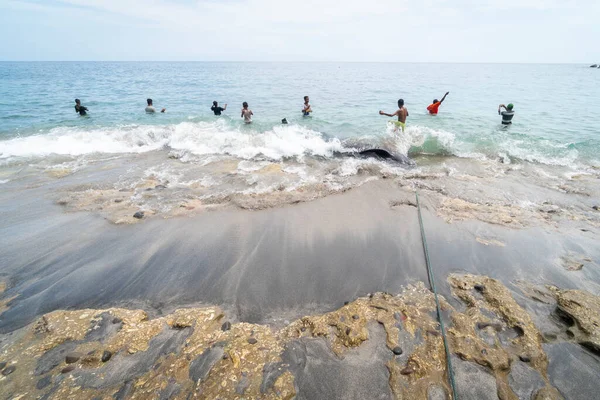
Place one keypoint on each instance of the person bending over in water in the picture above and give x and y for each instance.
(306, 110)
(246, 113)
(433, 107)
(150, 108)
(401, 113)
(216, 109)
(507, 115)
(79, 108)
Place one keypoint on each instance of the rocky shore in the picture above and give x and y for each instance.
(377, 346)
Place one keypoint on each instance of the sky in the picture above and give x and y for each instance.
(522, 31)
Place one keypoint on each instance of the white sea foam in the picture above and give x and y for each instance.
(430, 140)
(519, 150)
(197, 138)
(197, 141)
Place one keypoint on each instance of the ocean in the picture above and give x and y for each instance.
(556, 118)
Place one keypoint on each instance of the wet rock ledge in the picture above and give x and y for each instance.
(377, 346)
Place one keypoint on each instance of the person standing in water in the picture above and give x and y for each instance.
(401, 113)
(507, 115)
(306, 110)
(216, 109)
(150, 108)
(79, 108)
(246, 113)
(433, 107)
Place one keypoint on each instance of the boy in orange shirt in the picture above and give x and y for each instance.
(433, 108)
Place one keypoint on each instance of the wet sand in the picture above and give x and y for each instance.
(271, 267)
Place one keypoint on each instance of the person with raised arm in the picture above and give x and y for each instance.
(507, 114)
(433, 107)
(401, 113)
(216, 109)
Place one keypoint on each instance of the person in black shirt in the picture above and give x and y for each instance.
(216, 109)
(79, 108)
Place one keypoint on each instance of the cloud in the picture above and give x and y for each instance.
(353, 30)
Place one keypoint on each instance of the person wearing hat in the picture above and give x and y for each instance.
(507, 115)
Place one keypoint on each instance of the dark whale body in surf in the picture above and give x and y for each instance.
(386, 155)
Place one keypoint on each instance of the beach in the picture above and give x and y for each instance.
(194, 257)
(272, 267)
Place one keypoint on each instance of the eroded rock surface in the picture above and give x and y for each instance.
(584, 308)
(381, 346)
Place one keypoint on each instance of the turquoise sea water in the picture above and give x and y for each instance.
(557, 117)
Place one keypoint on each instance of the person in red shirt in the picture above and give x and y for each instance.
(433, 108)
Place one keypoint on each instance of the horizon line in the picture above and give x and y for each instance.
(304, 61)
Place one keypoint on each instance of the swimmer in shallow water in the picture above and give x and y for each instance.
(150, 108)
(216, 109)
(79, 108)
(401, 113)
(507, 115)
(433, 107)
(246, 113)
(306, 110)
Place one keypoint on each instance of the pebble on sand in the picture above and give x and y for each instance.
(252, 340)
(106, 355)
(397, 350)
(139, 215)
(226, 326)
